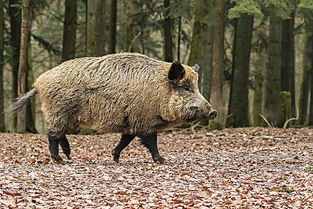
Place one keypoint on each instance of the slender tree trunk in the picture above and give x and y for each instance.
(22, 69)
(69, 30)
(144, 34)
(131, 27)
(167, 24)
(218, 65)
(31, 108)
(2, 124)
(15, 37)
(95, 28)
(260, 67)
(178, 38)
(272, 95)
(288, 63)
(113, 21)
(201, 45)
(311, 84)
(239, 103)
(307, 65)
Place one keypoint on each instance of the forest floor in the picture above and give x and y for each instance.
(232, 168)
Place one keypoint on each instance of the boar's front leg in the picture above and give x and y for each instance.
(150, 141)
(125, 140)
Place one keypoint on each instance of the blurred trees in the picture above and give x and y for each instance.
(168, 45)
(201, 44)
(113, 21)
(218, 63)
(69, 31)
(22, 68)
(96, 38)
(2, 124)
(238, 102)
(255, 56)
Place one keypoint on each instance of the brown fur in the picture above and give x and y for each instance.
(128, 93)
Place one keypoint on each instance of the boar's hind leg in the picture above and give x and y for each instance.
(150, 141)
(125, 140)
(54, 140)
(65, 146)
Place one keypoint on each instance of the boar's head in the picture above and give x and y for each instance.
(185, 100)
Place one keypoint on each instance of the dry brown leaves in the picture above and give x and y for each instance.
(234, 168)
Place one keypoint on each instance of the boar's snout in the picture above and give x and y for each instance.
(203, 113)
(212, 114)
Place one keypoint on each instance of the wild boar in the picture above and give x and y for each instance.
(127, 93)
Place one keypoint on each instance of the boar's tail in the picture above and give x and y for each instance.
(20, 102)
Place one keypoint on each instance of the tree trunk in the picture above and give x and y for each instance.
(288, 62)
(307, 65)
(239, 104)
(167, 24)
(69, 30)
(31, 108)
(178, 38)
(15, 37)
(272, 95)
(95, 28)
(131, 27)
(113, 21)
(311, 84)
(218, 65)
(201, 46)
(258, 81)
(22, 69)
(2, 124)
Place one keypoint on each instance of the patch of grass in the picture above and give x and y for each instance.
(309, 168)
(284, 189)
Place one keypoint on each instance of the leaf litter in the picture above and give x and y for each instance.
(232, 168)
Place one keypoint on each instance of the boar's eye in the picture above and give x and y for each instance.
(188, 88)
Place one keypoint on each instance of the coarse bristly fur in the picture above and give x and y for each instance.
(128, 93)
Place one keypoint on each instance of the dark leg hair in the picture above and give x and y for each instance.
(150, 141)
(125, 140)
(65, 146)
(54, 140)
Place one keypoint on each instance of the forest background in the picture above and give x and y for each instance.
(256, 56)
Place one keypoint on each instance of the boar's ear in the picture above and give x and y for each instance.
(176, 72)
(196, 68)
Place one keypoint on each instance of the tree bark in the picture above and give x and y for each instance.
(288, 62)
(218, 65)
(258, 78)
(307, 65)
(201, 46)
(167, 25)
(131, 28)
(239, 104)
(2, 124)
(31, 108)
(272, 95)
(95, 28)
(113, 21)
(22, 69)
(69, 30)
(15, 37)
(310, 121)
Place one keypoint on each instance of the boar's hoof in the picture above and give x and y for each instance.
(57, 158)
(116, 155)
(68, 156)
(159, 160)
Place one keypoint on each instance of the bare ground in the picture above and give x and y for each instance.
(233, 168)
